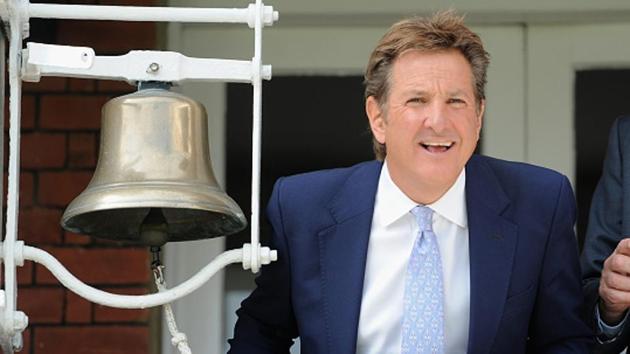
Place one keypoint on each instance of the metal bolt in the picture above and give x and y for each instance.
(17, 342)
(153, 67)
(20, 321)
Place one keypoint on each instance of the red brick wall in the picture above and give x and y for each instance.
(60, 132)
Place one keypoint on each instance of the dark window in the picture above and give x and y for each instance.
(309, 123)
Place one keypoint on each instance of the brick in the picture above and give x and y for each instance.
(104, 314)
(27, 113)
(26, 337)
(91, 340)
(108, 243)
(81, 85)
(107, 37)
(60, 188)
(43, 150)
(46, 84)
(71, 112)
(82, 150)
(27, 186)
(25, 273)
(42, 305)
(112, 86)
(78, 309)
(70, 238)
(100, 266)
(40, 226)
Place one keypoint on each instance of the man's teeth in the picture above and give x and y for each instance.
(449, 144)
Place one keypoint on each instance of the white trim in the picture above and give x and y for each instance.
(555, 53)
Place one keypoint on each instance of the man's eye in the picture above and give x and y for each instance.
(416, 100)
(456, 101)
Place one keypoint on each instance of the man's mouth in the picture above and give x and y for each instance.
(437, 147)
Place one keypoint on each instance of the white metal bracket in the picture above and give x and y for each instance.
(40, 59)
(15, 321)
(152, 13)
(22, 252)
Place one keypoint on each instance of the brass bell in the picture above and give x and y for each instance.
(153, 182)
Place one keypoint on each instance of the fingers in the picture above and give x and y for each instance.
(617, 263)
(614, 303)
(623, 247)
(619, 260)
(616, 281)
(614, 286)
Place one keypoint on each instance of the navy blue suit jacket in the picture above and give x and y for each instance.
(608, 223)
(524, 275)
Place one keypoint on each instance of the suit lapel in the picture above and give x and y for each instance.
(343, 251)
(492, 245)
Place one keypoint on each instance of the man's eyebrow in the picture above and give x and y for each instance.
(457, 92)
(416, 92)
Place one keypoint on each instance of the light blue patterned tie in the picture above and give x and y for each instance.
(423, 313)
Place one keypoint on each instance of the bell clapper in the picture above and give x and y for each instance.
(154, 230)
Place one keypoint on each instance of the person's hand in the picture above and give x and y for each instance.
(614, 286)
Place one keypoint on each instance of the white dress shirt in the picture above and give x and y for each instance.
(392, 236)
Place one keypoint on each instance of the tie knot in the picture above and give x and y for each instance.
(423, 216)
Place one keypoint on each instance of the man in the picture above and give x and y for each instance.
(430, 251)
(606, 254)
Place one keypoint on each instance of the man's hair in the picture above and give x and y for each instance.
(442, 31)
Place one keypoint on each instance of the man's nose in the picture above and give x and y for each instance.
(436, 116)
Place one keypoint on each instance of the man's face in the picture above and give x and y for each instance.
(431, 121)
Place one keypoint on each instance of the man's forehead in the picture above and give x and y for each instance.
(409, 84)
(444, 62)
(427, 67)
(419, 91)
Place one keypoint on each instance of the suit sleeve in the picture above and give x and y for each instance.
(557, 324)
(604, 231)
(266, 323)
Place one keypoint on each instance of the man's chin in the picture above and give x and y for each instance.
(439, 176)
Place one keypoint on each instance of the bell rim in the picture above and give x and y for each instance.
(180, 198)
(153, 204)
(67, 225)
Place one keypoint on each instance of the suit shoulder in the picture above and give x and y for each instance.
(621, 128)
(533, 191)
(524, 175)
(322, 185)
(623, 121)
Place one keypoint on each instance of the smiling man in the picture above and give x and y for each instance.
(428, 249)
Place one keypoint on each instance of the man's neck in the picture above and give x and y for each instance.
(418, 191)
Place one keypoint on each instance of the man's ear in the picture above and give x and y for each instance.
(377, 119)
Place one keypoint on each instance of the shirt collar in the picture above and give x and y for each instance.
(394, 204)
(452, 205)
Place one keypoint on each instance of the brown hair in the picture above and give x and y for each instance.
(444, 30)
